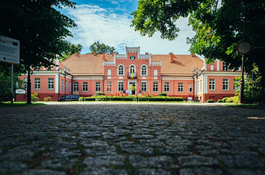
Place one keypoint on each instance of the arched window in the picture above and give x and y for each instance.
(132, 69)
(144, 70)
(155, 72)
(109, 71)
(120, 70)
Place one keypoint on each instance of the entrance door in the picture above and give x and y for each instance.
(132, 88)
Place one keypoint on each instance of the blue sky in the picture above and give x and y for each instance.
(108, 21)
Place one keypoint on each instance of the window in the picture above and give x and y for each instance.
(109, 71)
(25, 83)
(132, 69)
(120, 70)
(166, 87)
(190, 87)
(50, 83)
(236, 85)
(211, 67)
(65, 85)
(197, 86)
(109, 86)
(155, 86)
(84, 86)
(37, 83)
(75, 86)
(120, 86)
(97, 86)
(62, 85)
(224, 66)
(144, 70)
(225, 84)
(143, 86)
(155, 72)
(69, 86)
(180, 87)
(201, 85)
(212, 84)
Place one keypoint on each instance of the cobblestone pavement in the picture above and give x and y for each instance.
(120, 139)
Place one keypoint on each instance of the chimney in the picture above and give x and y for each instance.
(146, 53)
(171, 57)
(94, 53)
(76, 54)
(112, 53)
(103, 58)
(193, 55)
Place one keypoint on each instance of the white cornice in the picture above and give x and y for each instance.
(221, 73)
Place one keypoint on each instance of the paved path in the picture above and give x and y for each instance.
(120, 139)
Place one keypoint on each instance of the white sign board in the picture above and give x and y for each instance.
(20, 91)
(9, 50)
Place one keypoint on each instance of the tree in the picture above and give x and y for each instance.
(100, 48)
(219, 27)
(39, 27)
(69, 50)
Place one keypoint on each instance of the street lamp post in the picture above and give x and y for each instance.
(243, 48)
(196, 73)
(65, 71)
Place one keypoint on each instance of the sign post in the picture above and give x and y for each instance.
(10, 53)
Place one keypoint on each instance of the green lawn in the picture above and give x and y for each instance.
(20, 103)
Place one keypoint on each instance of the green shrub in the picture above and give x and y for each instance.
(162, 94)
(86, 99)
(48, 98)
(100, 93)
(219, 101)
(34, 97)
(224, 99)
(210, 101)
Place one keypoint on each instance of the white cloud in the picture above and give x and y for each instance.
(106, 26)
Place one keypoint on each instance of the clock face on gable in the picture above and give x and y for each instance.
(132, 58)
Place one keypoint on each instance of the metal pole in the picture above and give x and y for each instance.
(65, 86)
(29, 89)
(241, 94)
(12, 92)
(252, 85)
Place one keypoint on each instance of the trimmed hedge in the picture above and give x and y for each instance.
(100, 93)
(210, 101)
(162, 94)
(130, 98)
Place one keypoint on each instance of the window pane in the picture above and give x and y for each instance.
(37, 83)
(109, 86)
(120, 86)
(85, 86)
(50, 83)
(75, 86)
(97, 86)
(143, 87)
(180, 87)
(166, 87)
(155, 86)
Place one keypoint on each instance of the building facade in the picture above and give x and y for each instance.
(134, 73)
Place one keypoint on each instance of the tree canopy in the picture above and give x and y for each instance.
(219, 27)
(40, 28)
(100, 48)
(69, 50)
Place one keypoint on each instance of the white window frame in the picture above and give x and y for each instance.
(50, 83)
(37, 83)
(65, 85)
(235, 87)
(225, 84)
(118, 73)
(180, 87)
(144, 86)
(76, 86)
(211, 67)
(155, 72)
(69, 86)
(155, 86)
(120, 85)
(142, 71)
(109, 86)
(190, 87)
(98, 86)
(84, 86)
(166, 86)
(109, 72)
(211, 84)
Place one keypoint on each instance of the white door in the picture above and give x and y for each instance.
(132, 92)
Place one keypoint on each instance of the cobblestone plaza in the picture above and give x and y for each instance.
(131, 138)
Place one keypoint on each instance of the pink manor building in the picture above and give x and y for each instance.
(112, 74)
